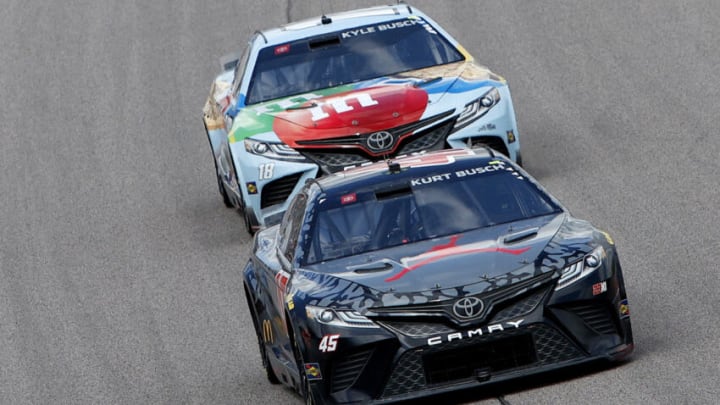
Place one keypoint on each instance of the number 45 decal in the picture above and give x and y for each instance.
(328, 343)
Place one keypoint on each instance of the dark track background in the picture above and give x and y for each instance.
(120, 268)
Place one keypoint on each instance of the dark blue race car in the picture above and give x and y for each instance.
(428, 274)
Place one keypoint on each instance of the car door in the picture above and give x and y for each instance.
(276, 275)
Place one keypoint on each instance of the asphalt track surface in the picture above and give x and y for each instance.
(120, 267)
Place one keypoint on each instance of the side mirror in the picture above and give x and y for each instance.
(229, 61)
(232, 111)
(284, 262)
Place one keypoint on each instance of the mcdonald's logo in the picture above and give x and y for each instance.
(267, 331)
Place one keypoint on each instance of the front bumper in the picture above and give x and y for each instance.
(537, 332)
(267, 185)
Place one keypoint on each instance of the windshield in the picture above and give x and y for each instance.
(425, 208)
(350, 56)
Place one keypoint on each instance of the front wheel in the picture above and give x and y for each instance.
(251, 222)
(223, 192)
(306, 392)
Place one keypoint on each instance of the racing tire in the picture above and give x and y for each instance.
(223, 192)
(305, 390)
(221, 187)
(251, 223)
(269, 373)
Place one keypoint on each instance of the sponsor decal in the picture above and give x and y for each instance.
(599, 288)
(624, 309)
(251, 187)
(468, 307)
(468, 334)
(371, 111)
(493, 166)
(429, 179)
(281, 49)
(608, 237)
(328, 343)
(440, 252)
(348, 198)
(372, 29)
(312, 371)
(487, 127)
(290, 302)
(511, 136)
(340, 105)
(267, 331)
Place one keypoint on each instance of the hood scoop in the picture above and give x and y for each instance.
(374, 267)
(521, 235)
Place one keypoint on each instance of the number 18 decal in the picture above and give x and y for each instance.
(266, 171)
(328, 343)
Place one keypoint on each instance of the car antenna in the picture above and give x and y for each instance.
(325, 20)
(399, 2)
(393, 167)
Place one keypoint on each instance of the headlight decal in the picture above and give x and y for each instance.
(582, 268)
(477, 108)
(343, 318)
(271, 150)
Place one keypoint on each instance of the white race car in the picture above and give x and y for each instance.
(319, 95)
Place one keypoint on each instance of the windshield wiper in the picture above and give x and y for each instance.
(302, 107)
(425, 82)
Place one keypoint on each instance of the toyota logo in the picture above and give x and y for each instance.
(468, 307)
(379, 141)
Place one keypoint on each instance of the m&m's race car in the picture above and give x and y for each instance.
(316, 96)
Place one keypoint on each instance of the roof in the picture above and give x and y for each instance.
(339, 21)
(411, 166)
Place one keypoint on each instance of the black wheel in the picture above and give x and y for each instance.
(251, 222)
(306, 393)
(221, 186)
(226, 199)
(269, 373)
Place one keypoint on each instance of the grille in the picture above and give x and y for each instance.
(461, 363)
(552, 347)
(347, 369)
(277, 191)
(498, 299)
(536, 345)
(333, 161)
(428, 140)
(334, 154)
(597, 317)
(417, 329)
(521, 307)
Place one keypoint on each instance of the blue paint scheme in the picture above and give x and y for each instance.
(459, 86)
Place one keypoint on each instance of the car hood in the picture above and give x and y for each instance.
(363, 107)
(452, 266)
